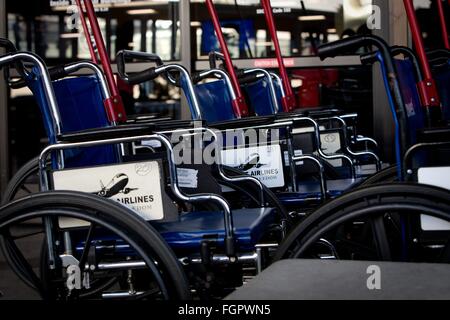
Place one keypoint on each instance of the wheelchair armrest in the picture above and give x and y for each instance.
(178, 124)
(243, 123)
(434, 135)
(320, 112)
(107, 133)
(128, 130)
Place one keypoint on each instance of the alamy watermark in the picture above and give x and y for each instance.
(374, 279)
(374, 19)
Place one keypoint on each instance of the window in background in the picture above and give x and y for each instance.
(300, 29)
(48, 27)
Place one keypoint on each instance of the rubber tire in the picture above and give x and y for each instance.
(397, 193)
(115, 214)
(21, 175)
(386, 175)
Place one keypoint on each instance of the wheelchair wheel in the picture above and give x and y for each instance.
(364, 224)
(24, 182)
(386, 175)
(117, 252)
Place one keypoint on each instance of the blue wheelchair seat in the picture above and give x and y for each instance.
(192, 228)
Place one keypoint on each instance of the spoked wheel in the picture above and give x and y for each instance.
(387, 175)
(23, 183)
(368, 224)
(112, 252)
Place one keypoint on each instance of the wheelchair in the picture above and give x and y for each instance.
(404, 221)
(88, 251)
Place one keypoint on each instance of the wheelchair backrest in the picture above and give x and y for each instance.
(414, 110)
(215, 101)
(80, 104)
(260, 97)
(442, 77)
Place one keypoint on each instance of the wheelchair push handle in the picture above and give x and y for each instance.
(213, 57)
(350, 44)
(7, 45)
(149, 74)
(371, 57)
(19, 57)
(55, 73)
(245, 78)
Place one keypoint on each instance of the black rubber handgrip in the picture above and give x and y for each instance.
(143, 76)
(212, 60)
(438, 54)
(126, 55)
(339, 47)
(17, 84)
(8, 45)
(369, 58)
(213, 57)
(248, 78)
(196, 78)
(58, 72)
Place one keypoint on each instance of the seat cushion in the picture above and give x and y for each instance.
(193, 228)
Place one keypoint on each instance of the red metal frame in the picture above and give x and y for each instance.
(427, 88)
(441, 12)
(87, 33)
(288, 102)
(239, 105)
(114, 105)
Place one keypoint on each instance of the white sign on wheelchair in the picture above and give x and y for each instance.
(438, 177)
(135, 185)
(263, 162)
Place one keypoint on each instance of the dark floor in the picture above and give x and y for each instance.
(11, 287)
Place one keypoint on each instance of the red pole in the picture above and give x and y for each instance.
(87, 33)
(443, 24)
(427, 88)
(114, 105)
(289, 101)
(239, 105)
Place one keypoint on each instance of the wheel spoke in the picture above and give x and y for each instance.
(380, 237)
(20, 261)
(24, 188)
(87, 246)
(22, 236)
